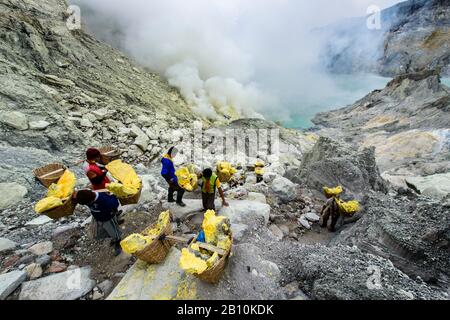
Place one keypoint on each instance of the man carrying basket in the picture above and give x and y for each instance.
(104, 210)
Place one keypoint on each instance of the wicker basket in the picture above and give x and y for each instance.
(109, 154)
(213, 274)
(157, 251)
(224, 178)
(131, 200)
(65, 210)
(47, 181)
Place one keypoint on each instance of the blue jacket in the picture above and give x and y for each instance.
(168, 170)
(104, 208)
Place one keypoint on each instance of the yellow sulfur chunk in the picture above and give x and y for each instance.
(65, 186)
(212, 261)
(333, 192)
(210, 225)
(186, 179)
(191, 264)
(134, 243)
(224, 242)
(259, 171)
(57, 193)
(126, 175)
(47, 204)
(121, 191)
(163, 221)
(349, 208)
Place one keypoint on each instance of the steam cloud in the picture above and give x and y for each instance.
(252, 56)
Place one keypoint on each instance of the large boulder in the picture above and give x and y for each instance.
(284, 189)
(7, 245)
(11, 281)
(14, 119)
(69, 285)
(12, 193)
(435, 186)
(331, 163)
(246, 212)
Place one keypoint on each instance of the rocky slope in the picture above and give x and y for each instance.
(414, 36)
(408, 124)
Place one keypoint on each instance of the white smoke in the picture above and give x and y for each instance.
(247, 55)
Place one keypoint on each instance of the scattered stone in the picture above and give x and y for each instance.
(69, 285)
(313, 217)
(57, 267)
(43, 260)
(11, 281)
(39, 221)
(14, 119)
(276, 232)
(12, 193)
(106, 287)
(7, 245)
(39, 125)
(11, 261)
(66, 237)
(34, 271)
(42, 248)
(304, 222)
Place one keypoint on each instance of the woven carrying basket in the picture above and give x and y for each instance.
(213, 274)
(224, 178)
(107, 155)
(157, 251)
(49, 180)
(131, 200)
(65, 210)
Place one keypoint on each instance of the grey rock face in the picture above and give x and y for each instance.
(407, 122)
(6, 245)
(414, 36)
(69, 285)
(414, 234)
(10, 281)
(12, 193)
(356, 276)
(331, 163)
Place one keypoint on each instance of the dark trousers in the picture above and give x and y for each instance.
(174, 187)
(208, 201)
(331, 209)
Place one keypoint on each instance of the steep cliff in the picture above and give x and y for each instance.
(414, 36)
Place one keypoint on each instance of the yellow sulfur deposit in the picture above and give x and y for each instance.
(129, 182)
(225, 168)
(333, 192)
(65, 186)
(137, 242)
(349, 208)
(212, 261)
(225, 171)
(217, 233)
(190, 263)
(259, 167)
(163, 221)
(121, 190)
(57, 193)
(47, 204)
(187, 179)
(134, 243)
(213, 225)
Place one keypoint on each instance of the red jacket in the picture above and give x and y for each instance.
(101, 181)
